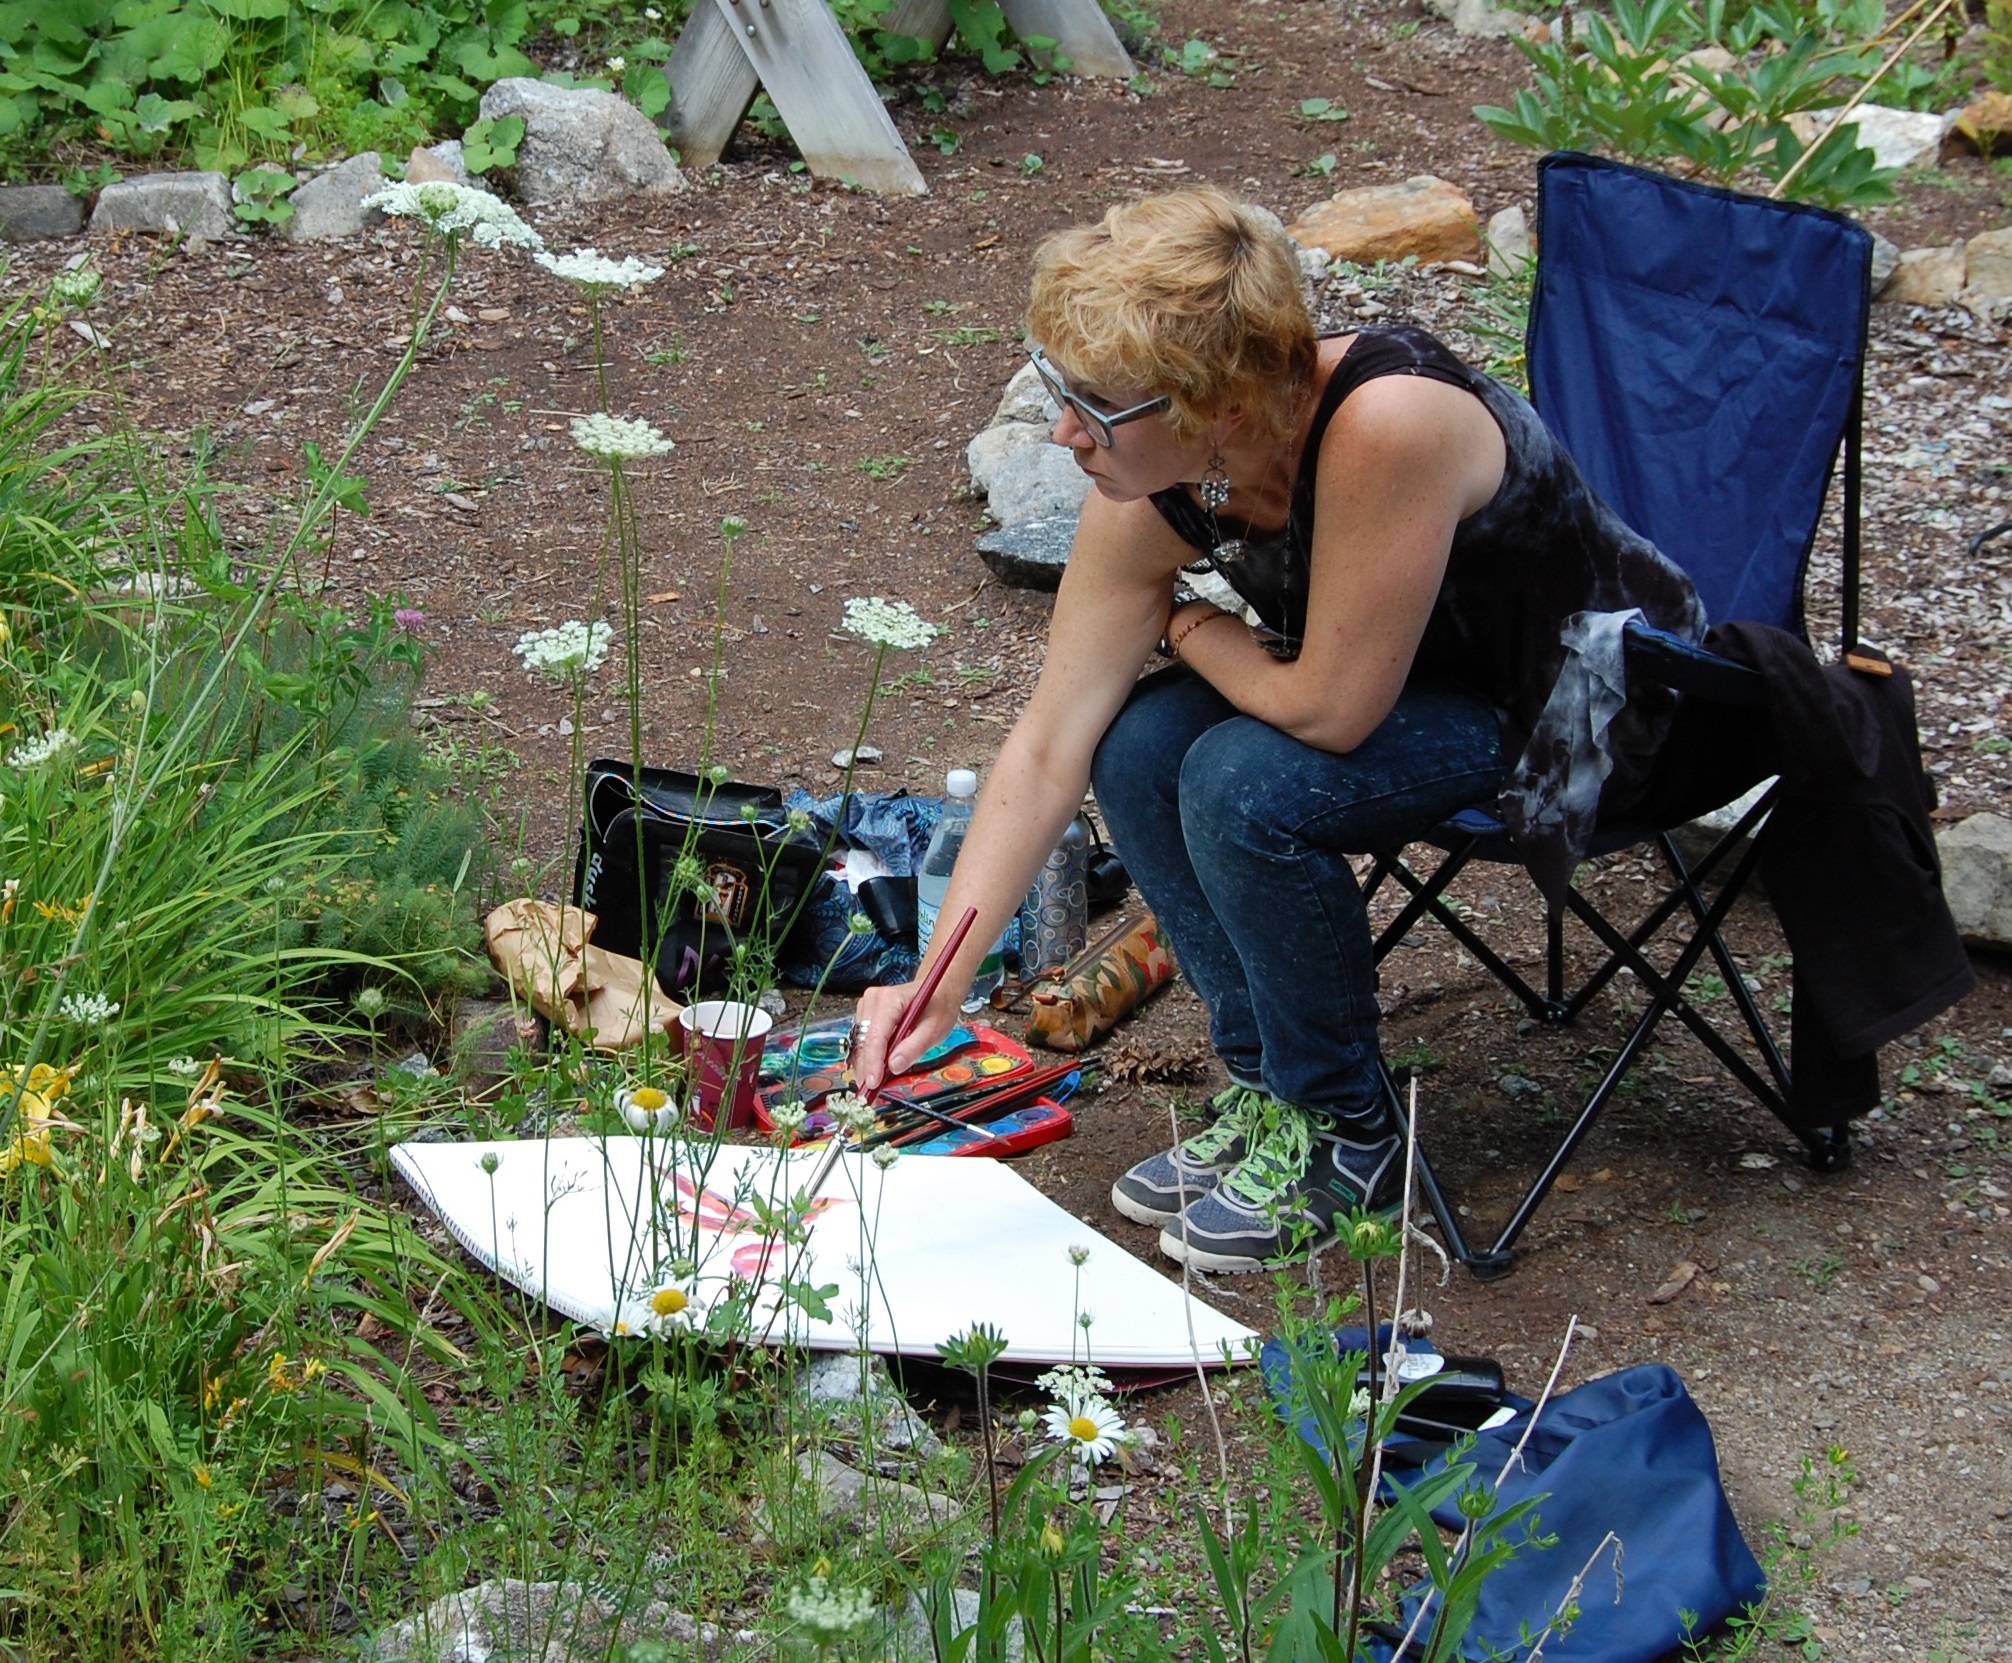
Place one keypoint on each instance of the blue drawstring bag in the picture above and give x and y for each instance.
(1629, 1453)
(895, 830)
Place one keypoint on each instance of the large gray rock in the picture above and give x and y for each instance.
(986, 453)
(1926, 277)
(191, 204)
(1885, 262)
(1977, 878)
(1038, 483)
(1032, 554)
(870, 1504)
(913, 1642)
(1901, 138)
(31, 212)
(331, 204)
(1987, 264)
(445, 163)
(1025, 400)
(854, 1398)
(581, 145)
(537, 1622)
(1508, 242)
(1478, 17)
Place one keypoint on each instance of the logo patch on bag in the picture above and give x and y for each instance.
(732, 891)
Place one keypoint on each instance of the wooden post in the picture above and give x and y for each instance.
(1080, 31)
(730, 49)
(795, 50)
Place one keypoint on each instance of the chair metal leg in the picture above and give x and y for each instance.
(1736, 986)
(1426, 898)
(1486, 1266)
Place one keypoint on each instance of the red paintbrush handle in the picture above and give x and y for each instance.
(927, 991)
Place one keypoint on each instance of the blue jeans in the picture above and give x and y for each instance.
(1239, 835)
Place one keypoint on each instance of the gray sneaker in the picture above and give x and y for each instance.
(1288, 1196)
(1159, 1187)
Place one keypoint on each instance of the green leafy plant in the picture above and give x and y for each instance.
(1321, 109)
(491, 143)
(1633, 89)
(262, 196)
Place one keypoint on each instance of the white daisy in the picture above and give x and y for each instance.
(1090, 1427)
(614, 439)
(674, 1305)
(647, 1110)
(888, 623)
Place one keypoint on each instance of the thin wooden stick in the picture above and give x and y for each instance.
(1858, 98)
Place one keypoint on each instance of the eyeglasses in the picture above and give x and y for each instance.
(1099, 423)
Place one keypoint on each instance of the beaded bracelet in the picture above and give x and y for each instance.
(1174, 639)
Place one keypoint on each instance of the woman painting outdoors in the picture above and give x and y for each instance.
(1412, 541)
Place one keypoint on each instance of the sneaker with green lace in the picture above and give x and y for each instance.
(1159, 1187)
(1289, 1194)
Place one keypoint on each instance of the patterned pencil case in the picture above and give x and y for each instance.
(1102, 985)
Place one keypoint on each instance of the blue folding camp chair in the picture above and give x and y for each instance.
(1701, 354)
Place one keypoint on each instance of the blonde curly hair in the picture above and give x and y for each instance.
(1193, 294)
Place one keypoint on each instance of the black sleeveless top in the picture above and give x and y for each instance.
(1541, 549)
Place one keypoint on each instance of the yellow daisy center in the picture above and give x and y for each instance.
(648, 1097)
(1083, 1429)
(668, 1302)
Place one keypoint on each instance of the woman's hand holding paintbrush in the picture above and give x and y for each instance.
(905, 1007)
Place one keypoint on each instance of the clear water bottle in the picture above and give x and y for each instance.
(932, 881)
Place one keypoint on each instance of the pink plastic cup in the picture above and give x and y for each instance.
(723, 1045)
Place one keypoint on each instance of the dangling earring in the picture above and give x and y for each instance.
(1214, 488)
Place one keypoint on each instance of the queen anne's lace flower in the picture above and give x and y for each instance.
(89, 1010)
(888, 623)
(1075, 1383)
(38, 751)
(574, 648)
(75, 290)
(615, 439)
(458, 211)
(826, 1614)
(592, 269)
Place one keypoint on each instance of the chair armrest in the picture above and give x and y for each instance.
(1673, 661)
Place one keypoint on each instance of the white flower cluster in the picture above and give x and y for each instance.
(88, 1010)
(592, 269)
(614, 439)
(888, 623)
(826, 1614)
(457, 211)
(74, 290)
(574, 648)
(35, 752)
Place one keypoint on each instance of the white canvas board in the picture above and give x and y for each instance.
(591, 1226)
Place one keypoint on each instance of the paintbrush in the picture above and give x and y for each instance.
(902, 1030)
(926, 992)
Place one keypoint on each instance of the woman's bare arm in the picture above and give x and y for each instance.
(1403, 461)
(1109, 613)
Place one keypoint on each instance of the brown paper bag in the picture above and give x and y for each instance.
(544, 953)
